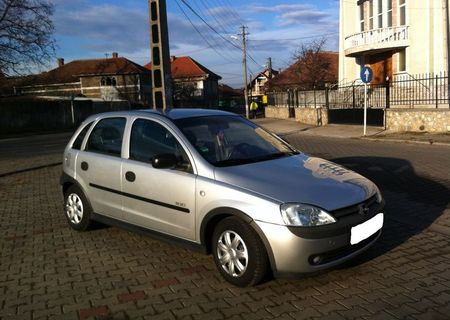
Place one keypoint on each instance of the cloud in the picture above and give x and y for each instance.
(293, 14)
(103, 27)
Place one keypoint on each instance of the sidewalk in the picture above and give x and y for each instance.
(290, 126)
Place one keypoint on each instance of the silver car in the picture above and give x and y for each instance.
(218, 182)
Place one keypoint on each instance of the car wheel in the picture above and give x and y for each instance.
(239, 253)
(77, 209)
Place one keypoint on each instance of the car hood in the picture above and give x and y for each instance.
(300, 178)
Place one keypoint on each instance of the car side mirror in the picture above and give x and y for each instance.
(164, 161)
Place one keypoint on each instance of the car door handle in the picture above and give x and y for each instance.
(130, 176)
(84, 166)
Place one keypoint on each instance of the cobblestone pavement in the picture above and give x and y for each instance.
(48, 270)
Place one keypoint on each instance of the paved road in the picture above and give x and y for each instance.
(31, 151)
(49, 271)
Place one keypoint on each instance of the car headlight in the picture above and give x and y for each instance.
(303, 215)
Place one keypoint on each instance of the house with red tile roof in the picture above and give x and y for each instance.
(314, 70)
(194, 85)
(115, 78)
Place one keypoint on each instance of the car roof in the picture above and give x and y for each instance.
(173, 114)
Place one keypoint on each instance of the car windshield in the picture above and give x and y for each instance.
(232, 140)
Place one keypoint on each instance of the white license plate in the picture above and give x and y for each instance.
(364, 230)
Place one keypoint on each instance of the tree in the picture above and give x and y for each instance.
(314, 67)
(183, 93)
(26, 35)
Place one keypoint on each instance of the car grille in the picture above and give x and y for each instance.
(330, 256)
(370, 203)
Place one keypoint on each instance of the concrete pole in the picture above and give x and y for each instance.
(244, 65)
(160, 54)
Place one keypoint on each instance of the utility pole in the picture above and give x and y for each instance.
(269, 67)
(160, 53)
(244, 64)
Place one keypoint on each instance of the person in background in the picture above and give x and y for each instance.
(253, 108)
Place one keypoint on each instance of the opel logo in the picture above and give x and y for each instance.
(363, 209)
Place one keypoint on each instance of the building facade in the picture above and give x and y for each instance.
(109, 79)
(194, 85)
(393, 37)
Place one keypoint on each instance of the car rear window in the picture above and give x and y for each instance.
(79, 140)
(106, 137)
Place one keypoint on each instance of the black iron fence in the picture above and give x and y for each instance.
(403, 91)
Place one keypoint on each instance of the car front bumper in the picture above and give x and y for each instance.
(292, 254)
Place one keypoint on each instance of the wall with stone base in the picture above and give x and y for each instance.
(315, 117)
(277, 112)
(418, 120)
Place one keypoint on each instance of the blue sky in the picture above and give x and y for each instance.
(92, 28)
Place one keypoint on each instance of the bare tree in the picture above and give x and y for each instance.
(313, 65)
(26, 35)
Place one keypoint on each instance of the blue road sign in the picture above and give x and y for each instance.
(366, 75)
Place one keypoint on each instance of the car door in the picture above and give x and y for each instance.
(159, 199)
(99, 167)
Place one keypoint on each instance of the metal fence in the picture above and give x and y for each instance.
(403, 91)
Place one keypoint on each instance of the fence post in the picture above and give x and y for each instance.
(327, 98)
(437, 92)
(353, 96)
(388, 93)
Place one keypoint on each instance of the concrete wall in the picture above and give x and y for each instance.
(418, 120)
(277, 112)
(315, 117)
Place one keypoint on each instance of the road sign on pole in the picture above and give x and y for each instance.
(366, 77)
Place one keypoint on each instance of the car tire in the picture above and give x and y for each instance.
(77, 209)
(239, 253)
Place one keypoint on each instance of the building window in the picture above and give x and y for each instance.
(108, 82)
(402, 60)
(380, 13)
(361, 16)
(371, 14)
(402, 9)
(389, 13)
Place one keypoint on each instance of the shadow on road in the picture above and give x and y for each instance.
(413, 202)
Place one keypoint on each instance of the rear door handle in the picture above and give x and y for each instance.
(130, 176)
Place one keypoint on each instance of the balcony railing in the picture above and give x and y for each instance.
(382, 38)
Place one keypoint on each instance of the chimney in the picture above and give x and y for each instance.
(115, 55)
(172, 58)
(60, 62)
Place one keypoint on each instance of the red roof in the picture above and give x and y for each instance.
(299, 74)
(186, 67)
(72, 71)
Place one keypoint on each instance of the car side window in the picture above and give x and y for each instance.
(79, 139)
(149, 139)
(107, 136)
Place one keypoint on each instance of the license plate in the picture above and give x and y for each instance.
(365, 230)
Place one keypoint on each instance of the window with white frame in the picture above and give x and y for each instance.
(389, 13)
(380, 13)
(402, 12)
(361, 16)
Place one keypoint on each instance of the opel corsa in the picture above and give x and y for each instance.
(220, 183)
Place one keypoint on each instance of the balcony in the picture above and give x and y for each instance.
(377, 39)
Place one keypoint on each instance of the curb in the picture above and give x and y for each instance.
(6, 174)
(447, 144)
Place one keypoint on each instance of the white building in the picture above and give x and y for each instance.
(394, 37)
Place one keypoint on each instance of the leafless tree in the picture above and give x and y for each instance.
(26, 35)
(313, 66)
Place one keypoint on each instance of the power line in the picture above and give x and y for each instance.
(198, 31)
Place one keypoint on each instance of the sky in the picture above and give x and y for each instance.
(206, 30)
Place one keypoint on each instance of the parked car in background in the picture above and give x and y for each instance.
(216, 181)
